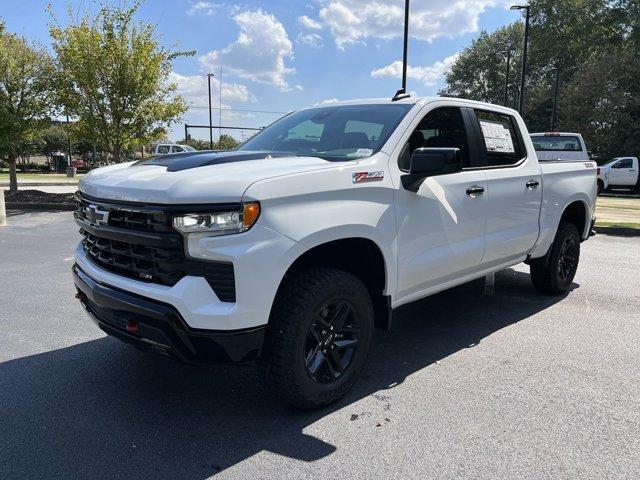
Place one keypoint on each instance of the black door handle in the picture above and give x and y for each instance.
(475, 190)
(532, 184)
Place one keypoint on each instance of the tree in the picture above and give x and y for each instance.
(113, 78)
(595, 44)
(226, 142)
(479, 72)
(195, 143)
(25, 97)
(52, 140)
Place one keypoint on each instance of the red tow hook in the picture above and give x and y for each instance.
(132, 327)
(81, 296)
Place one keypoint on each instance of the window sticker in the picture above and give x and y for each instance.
(497, 137)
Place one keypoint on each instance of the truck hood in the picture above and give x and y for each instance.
(200, 177)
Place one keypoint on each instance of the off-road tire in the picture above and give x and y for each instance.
(549, 278)
(282, 362)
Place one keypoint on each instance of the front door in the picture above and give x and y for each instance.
(441, 226)
(622, 173)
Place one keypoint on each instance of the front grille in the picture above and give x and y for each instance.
(161, 265)
(141, 244)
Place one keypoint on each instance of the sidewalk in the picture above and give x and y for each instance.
(38, 180)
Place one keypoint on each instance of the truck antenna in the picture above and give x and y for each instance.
(402, 93)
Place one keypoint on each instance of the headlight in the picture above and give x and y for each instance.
(221, 223)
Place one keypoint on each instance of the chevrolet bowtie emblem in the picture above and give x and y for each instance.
(96, 216)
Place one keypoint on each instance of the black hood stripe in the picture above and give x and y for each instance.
(185, 161)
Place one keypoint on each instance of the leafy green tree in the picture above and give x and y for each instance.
(595, 44)
(226, 142)
(113, 78)
(195, 143)
(479, 73)
(52, 140)
(25, 97)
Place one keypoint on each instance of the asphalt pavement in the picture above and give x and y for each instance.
(514, 385)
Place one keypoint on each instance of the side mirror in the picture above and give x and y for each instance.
(429, 162)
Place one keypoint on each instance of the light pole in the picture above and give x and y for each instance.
(402, 93)
(209, 75)
(220, 119)
(506, 77)
(555, 99)
(524, 53)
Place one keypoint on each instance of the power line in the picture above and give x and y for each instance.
(238, 110)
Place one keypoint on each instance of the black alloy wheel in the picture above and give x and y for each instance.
(332, 341)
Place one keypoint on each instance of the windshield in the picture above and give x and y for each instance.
(188, 148)
(557, 143)
(333, 133)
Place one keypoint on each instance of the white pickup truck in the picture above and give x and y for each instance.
(621, 172)
(292, 248)
(560, 146)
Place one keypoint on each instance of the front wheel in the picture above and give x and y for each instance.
(557, 275)
(318, 337)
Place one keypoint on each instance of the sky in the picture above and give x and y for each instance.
(279, 55)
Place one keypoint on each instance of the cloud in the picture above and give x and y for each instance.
(354, 21)
(201, 7)
(430, 75)
(309, 23)
(312, 40)
(194, 90)
(328, 101)
(260, 52)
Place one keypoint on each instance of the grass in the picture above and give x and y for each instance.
(618, 225)
(38, 176)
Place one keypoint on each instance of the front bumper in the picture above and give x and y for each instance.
(158, 328)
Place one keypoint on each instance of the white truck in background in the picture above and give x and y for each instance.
(560, 146)
(621, 172)
(290, 249)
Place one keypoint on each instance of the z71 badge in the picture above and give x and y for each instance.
(362, 177)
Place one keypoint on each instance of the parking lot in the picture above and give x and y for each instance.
(514, 385)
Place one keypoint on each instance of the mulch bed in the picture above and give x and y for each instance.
(36, 196)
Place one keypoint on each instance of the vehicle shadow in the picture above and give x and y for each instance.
(101, 409)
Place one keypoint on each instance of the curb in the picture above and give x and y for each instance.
(618, 231)
(64, 207)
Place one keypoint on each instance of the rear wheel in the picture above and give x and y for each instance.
(318, 337)
(557, 275)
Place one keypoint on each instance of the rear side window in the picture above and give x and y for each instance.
(501, 140)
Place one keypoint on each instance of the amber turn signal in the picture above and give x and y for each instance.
(250, 214)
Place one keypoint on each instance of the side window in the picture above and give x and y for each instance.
(440, 128)
(626, 163)
(501, 141)
(162, 149)
(176, 150)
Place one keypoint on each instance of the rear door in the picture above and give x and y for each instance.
(441, 226)
(514, 192)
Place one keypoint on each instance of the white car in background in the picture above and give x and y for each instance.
(167, 148)
(560, 146)
(621, 172)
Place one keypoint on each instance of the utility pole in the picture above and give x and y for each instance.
(506, 78)
(209, 75)
(220, 120)
(68, 142)
(523, 73)
(555, 100)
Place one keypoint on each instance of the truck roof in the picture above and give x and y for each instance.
(414, 101)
